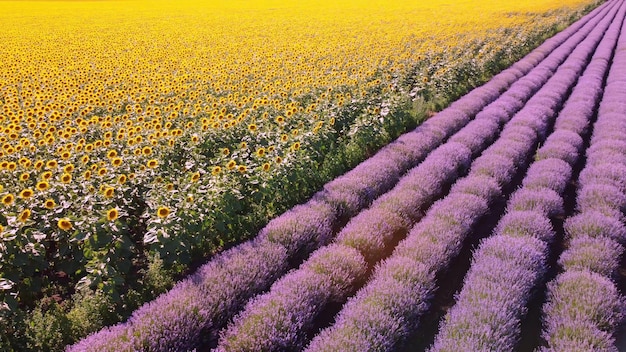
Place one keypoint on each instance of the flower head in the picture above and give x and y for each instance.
(26, 193)
(163, 212)
(112, 214)
(50, 203)
(64, 224)
(24, 215)
(8, 199)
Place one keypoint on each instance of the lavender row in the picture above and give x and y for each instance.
(281, 318)
(508, 267)
(584, 306)
(200, 305)
(388, 308)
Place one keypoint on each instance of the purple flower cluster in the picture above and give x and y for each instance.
(507, 268)
(583, 306)
(388, 308)
(281, 318)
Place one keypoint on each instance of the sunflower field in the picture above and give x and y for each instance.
(138, 138)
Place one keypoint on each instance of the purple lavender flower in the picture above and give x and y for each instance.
(606, 146)
(525, 224)
(501, 168)
(599, 255)
(558, 150)
(372, 231)
(460, 210)
(546, 201)
(380, 313)
(279, 319)
(476, 134)
(607, 174)
(549, 173)
(307, 227)
(595, 224)
(480, 185)
(604, 198)
(489, 308)
(582, 310)
(565, 136)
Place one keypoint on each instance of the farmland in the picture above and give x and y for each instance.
(140, 139)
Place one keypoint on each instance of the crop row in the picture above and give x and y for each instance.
(584, 305)
(197, 308)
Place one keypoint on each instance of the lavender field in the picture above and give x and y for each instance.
(496, 225)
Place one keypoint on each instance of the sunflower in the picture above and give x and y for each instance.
(51, 164)
(163, 212)
(252, 127)
(225, 151)
(108, 192)
(152, 163)
(87, 175)
(46, 175)
(69, 168)
(64, 224)
(8, 199)
(242, 168)
(26, 193)
(295, 146)
(260, 152)
(266, 167)
(112, 214)
(66, 178)
(146, 151)
(116, 162)
(24, 215)
(121, 179)
(195, 176)
(42, 185)
(24, 177)
(216, 170)
(111, 154)
(49, 203)
(231, 165)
